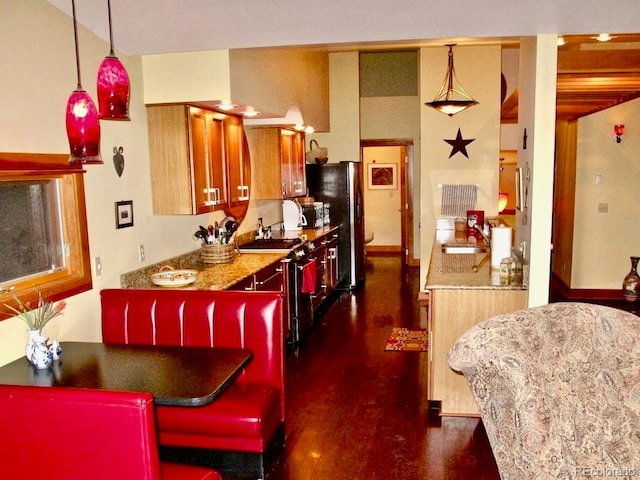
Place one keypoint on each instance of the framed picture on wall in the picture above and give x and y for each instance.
(519, 188)
(124, 214)
(383, 176)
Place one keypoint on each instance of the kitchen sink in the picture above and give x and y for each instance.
(457, 248)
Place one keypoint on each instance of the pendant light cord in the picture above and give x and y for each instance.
(75, 36)
(110, 29)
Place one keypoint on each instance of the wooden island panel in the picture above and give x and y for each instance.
(453, 312)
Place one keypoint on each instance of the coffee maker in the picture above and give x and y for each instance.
(291, 215)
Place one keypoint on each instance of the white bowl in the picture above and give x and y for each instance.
(174, 278)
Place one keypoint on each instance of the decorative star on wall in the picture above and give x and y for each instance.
(459, 145)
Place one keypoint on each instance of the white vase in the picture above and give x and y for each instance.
(34, 335)
(37, 351)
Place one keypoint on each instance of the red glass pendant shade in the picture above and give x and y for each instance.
(113, 89)
(83, 128)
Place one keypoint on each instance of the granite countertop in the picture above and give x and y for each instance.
(454, 271)
(218, 276)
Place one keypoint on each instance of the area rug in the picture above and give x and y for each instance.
(407, 340)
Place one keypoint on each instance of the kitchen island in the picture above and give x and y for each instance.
(458, 296)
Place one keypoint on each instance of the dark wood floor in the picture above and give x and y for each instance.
(356, 412)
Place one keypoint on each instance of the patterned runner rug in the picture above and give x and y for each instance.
(407, 340)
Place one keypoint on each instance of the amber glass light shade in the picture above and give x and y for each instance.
(503, 199)
(113, 89)
(83, 128)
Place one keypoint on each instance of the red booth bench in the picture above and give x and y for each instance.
(80, 434)
(240, 432)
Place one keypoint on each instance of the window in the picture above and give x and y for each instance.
(43, 235)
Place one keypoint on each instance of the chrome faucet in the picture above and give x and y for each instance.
(480, 229)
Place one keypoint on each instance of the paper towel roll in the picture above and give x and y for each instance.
(500, 245)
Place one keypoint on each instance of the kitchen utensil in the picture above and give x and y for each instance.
(200, 235)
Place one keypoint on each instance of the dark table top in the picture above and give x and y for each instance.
(185, 376)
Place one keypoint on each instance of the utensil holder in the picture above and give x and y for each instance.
(215, 254)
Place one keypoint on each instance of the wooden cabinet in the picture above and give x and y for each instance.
(273, 278)
(332, 274)
(293, 163)
(270, 278)
(238, 162)
(325, 253)
(198, 160)
(451, 313)
(279, 157)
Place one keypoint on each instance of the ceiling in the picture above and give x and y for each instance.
(591, 75)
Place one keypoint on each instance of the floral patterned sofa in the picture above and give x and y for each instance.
(558, 388)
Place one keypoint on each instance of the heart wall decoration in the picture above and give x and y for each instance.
(118, 160)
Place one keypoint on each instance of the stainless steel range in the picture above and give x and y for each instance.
(300, 310)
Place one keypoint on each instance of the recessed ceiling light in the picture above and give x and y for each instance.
(250, 111)
(603, 37)
(226, 105)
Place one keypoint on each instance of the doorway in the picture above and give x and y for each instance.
(388, 197)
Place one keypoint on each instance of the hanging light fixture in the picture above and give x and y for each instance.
(451, 99)
(83, 126)
(113, 84)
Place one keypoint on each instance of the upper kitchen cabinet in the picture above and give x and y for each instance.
(279, 157)
(238, 162)
(294, 179)
(198, 160)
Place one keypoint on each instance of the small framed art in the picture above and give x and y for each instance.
(383, 176)
(124, 214)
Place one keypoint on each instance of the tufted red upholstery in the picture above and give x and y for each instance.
(246, 416)
(71, 433)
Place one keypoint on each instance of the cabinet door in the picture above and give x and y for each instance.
(293, 163)
(200, 171)
(287, 151)
(264, 145)
(332, 263)
(246, 284)
(270, 278)
(298, 170)
(208, 168)
(217, 163)
(238, 164)
(319, 254)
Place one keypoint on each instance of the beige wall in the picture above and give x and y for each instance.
(186, 77)
(536, 114)
(478, 69)
(276, 79)
(343, 141)
(37, 57)
(382, 207)
(603, 242)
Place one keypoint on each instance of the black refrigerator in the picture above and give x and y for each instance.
(340, 185)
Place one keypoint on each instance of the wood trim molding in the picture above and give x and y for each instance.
(560, 290)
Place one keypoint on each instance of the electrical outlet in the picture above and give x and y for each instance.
(141, 252)
(98, 265)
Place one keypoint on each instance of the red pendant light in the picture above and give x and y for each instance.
(83, 126)
(113, 84)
